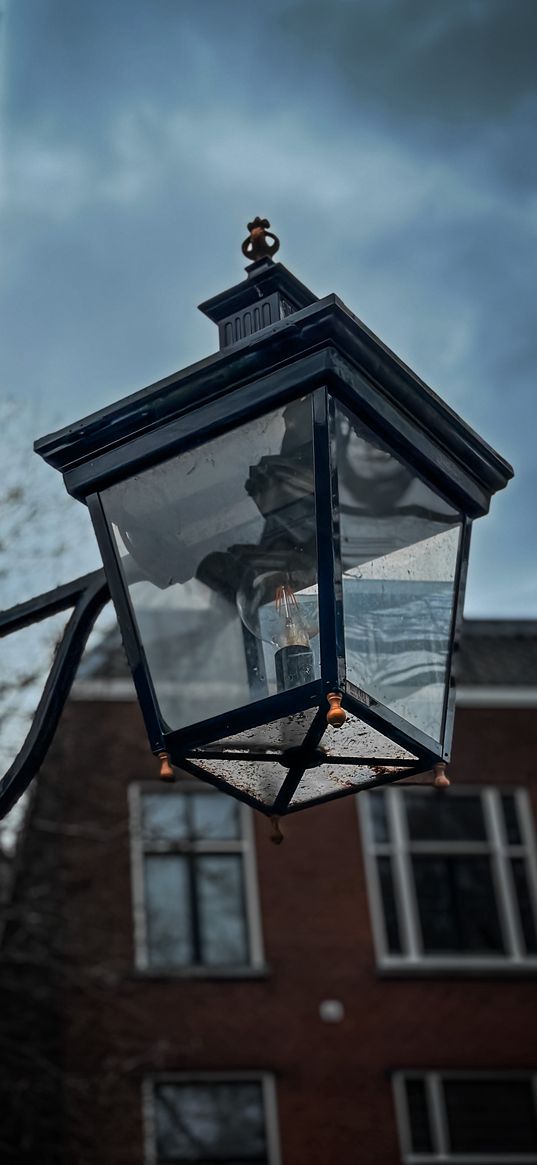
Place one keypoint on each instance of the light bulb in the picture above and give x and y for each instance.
(292, 630)
(281, 609)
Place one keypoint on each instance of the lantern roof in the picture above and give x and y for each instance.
(296, 343)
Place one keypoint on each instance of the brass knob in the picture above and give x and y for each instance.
(441, 781)
(276, 836)
(336, 715)
(166, 772)
(257, 245)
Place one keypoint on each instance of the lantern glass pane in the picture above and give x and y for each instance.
(399, 549)
(330, 780)
(261, 780)
(218, 550)
(277, 736)
(358, 739)
(353, 757)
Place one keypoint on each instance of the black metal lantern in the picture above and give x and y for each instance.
(284, 528)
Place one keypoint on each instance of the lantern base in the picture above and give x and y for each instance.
(285, 764)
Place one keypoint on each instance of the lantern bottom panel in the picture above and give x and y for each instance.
(300, 760)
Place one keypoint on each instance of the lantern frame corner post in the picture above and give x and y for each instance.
(134, 650)
(456, 629)
(331, 626)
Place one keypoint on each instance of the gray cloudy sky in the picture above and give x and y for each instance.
(390, 142)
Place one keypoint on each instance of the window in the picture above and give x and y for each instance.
(209, 1119)
(464, 1117)
(194, 881)
(452, 878)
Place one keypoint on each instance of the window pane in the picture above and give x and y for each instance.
(399, 545)
(379, 821)
(510, 817)
(456, 905)
(164, 817)
(221, 909)
(525, 905)
(208, 540)
(433, 817)
(490, 1116)
(214, 815)
(210, 1122)
(167, 906)
(391, 922)
(418, 1116)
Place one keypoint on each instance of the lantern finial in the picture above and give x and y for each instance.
(257, 246)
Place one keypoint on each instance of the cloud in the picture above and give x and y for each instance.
(387, 140)
(462, 63)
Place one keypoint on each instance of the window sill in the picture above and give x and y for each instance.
(164, 974)
(473, 968)
(471, 1159)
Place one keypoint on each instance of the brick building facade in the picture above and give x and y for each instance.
(176, 988)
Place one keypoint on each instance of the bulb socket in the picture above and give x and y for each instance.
(294, 666)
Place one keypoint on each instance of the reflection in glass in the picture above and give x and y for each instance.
(379, 820)
(510, 819)
(168, 916)
(416, 1098)
(387, 890)
(218, 547)
(457, 905)
(491, 1116)
(435, 818)
(214, 817)
(399, 547)
(223, 934)
(164, 818)
(526, 906)
(197, 816)
(210, 1122)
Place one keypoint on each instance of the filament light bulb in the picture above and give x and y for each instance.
(278, 609)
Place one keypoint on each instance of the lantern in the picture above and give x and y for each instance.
(285, 531)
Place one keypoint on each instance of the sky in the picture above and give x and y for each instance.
(391, 143)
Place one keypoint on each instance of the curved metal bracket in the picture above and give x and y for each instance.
(87, 595)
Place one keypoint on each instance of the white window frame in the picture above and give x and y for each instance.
(244, 845)
(438, 1119)
(270, 1107)
(413, 960)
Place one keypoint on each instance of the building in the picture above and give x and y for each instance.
(178, 989)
